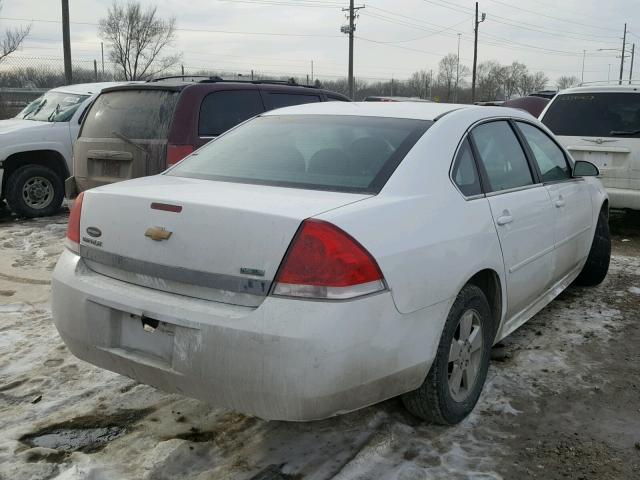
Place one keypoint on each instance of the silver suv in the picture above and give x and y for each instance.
(601, 124)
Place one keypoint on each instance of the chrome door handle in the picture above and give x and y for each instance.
(560, 202)
(504, 219)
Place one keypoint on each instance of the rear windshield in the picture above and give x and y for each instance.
(595, 115)
(135, 114)
(323, 152)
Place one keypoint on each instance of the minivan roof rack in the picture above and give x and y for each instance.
(291, 82)
(216, 79)
(171, 77)
(610, 82)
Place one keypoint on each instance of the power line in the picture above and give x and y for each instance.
(520, 24)
(566, 20)
(289, 3)
(193, 30)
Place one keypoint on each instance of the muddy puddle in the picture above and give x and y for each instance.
(84, 434)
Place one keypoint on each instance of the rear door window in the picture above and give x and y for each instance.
(335, 98)
(594, 115)
(280, 100)
(502, 156)
(223, 110)
(465, 175)
(135, 114)
(547, 155)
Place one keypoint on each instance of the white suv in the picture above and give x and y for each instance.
(36, 148)
(601, 124)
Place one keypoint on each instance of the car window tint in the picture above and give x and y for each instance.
(279, 100)
(136, 114)
(321, 152)
(550, 159)
(465, 174)
(502, 156)
(221, 111)
(594, 115)
(333, 98)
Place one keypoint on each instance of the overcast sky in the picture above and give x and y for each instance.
(396, 37)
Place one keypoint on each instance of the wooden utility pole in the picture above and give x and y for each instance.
(475, 53)
(66, 42)
(350, 29)
(633, 52)
(624, 47)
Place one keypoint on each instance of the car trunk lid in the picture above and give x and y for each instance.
(213, 240)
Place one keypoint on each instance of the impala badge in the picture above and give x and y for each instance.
(157, 233)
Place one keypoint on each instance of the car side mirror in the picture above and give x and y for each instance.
(583, 168)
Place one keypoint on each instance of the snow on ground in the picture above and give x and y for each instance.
(105, 426)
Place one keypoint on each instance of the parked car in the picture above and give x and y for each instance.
(325, 257)
(139, 130)
(374, 98)
(601, 124)
(548, 94)
(36, 148)
(532, 104)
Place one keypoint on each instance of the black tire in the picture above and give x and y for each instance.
(597, 266)
(433, 400)
(26, 204)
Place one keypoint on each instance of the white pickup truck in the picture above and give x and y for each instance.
(36, 148)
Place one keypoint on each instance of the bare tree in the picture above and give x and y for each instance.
(512, 79)
(12, 39)
(490, 76)
(447, 73)
(421, 82)
(137, 38)
(566, 82)
(531, 82)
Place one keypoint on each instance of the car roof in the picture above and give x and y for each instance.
(410, 110)
(88, 88)
(602, 89)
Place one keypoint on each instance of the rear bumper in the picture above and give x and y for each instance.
(287, 359)
(624, 198)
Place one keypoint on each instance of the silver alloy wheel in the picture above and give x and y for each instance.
(37, 192)
(465, 355)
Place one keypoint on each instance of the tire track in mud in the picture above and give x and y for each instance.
(28, 281)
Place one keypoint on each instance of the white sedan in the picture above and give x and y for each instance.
(321, 258)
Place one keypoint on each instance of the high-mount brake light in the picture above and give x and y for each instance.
(323, 261)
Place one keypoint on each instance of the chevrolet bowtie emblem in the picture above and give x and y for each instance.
(157, 233)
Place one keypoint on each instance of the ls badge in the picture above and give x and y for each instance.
(157, 233)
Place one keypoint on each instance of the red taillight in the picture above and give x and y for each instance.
(175, 153)
(73, 227)
(323, 261)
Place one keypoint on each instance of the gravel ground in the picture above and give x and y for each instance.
(562, 399)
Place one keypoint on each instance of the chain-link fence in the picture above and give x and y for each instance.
(24, 78)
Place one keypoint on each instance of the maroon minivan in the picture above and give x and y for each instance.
(140, 129)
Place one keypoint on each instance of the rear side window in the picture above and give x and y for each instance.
(594, 115)
(279, 100)
(547, 155)
(465, 175)
(135, 114)
(223, 110)
(321, 152)
(502, 156)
